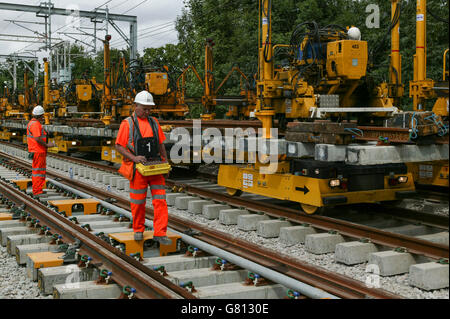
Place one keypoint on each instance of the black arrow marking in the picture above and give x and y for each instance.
(305, 189)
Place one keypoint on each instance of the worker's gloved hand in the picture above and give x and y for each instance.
(139, 159)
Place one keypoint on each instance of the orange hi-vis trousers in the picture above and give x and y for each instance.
(138, 195)
(39, 168)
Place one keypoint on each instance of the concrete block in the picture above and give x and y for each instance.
(213, 211)
(171, 197)
(21, 251)
(99, 176)
(180, 262)
(122, 183)
(23, 230)
(323, 243)
(271, 228)
(196, 206)
(107, 179)
(372, 155)
(107, 224)
(230, 216)
(438, 238)
(86, 290)
(429, 276)
(93, 174)
(249, 222)
(13, 241)
(355, 252)
(299, 149)
(330, 152)
(111, 230)
(181, 202)
(391, 263)
(295, 234)
(81, 171)
(239, 291)
(113, 181)
(49, 277)
(267, 146)
(206, 277)
(10, 223)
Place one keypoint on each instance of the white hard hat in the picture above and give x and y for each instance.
(38, 110)
(144, 98)
(354, 33)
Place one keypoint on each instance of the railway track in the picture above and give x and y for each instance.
(183, 225)
(348, 290)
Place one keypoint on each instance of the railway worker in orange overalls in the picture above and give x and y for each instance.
(37, 147)
(138, 143)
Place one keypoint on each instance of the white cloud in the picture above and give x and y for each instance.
(154, 19)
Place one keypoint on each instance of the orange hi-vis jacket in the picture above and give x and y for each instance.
(127, 136)
(35, 129)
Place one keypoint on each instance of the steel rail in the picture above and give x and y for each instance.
(333, 283)
(126, 270)
(377, 236)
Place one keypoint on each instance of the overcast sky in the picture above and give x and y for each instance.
(155, 23)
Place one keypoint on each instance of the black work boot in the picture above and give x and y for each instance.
(138, 236)
(163, 240)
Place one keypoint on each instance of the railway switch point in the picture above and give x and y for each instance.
(133, 247)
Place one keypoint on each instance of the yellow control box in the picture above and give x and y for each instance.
(153, 169)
